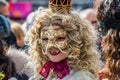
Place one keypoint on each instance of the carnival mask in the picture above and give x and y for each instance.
(53, 37)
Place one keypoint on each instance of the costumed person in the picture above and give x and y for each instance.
(109, 18)
(61, 45)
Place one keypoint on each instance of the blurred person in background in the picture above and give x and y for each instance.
(7, 67)
(4, 27)
(19, 34)
(91, 15)
(10, 40)
(109, 19)
(12, 61)
(7, 35)
(4, 8)
(96, 4)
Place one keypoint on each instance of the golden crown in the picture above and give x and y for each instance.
(60, 6)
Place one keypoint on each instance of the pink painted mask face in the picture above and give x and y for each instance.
(54, 42)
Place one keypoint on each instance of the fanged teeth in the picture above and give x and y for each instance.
(54, 52)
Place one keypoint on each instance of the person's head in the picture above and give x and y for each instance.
(18, 32)
(90, 15)
(4, 8)
(108, 14)
(54, 37)
(109, 17)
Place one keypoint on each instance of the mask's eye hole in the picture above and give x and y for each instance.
(60, 38)
(45, 39)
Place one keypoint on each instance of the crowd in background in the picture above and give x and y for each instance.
(105, 19)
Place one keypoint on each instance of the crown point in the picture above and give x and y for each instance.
(60, 6)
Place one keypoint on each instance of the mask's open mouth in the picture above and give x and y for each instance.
(54, 53)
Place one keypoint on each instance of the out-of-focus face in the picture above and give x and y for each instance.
(20, 42)
(4, 11)
(92, 18)
(54, 42)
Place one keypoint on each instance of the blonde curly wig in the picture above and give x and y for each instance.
(81, 40)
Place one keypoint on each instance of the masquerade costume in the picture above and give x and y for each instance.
(61, 45)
